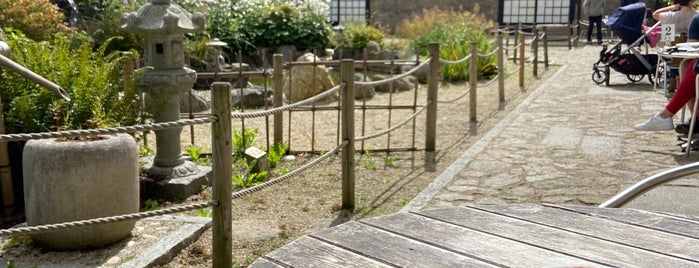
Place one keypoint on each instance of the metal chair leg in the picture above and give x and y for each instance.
(693, 115)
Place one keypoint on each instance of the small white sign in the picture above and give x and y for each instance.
(668, 32)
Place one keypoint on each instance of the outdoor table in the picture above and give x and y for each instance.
(515, 235)
(687, 50)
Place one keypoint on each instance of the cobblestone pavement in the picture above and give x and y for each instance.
(570, 142)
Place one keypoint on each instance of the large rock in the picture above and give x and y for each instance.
(363, 92)
(308, 81)
(199, 104)
(403, 84)
(251, 96)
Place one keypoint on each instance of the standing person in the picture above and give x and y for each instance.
(684, 93)
(594, 9)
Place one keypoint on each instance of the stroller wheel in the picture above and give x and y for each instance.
(598, 76)
(635, 77)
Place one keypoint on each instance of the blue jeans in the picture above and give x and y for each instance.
(597, 21)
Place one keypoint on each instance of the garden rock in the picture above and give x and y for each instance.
(308, 81)
(421, 73)
(198, 103)
(404, 84)
(363, 92)
(251, 96)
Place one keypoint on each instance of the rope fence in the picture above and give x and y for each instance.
(222, 164)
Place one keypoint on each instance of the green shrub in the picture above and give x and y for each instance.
(102, 22)
(242, 140)
(276, 153)
(356, 36)
(274, 23)
(93, 79)
(454, 31)
(39, 19)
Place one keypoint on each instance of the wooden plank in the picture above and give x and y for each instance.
(311, 252)
(264, 263)
(393, 249)
(490, 248)
(593, 249)
(663, 222)
(617, 232)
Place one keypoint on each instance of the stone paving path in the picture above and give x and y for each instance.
(570, 142)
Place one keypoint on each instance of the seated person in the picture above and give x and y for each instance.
(684, 93)
(679, 14)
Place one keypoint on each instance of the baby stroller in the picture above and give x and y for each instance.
(627, 23)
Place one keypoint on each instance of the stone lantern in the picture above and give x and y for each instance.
(214, 55)
(165, 79)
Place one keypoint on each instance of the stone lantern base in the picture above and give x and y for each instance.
(184, 180)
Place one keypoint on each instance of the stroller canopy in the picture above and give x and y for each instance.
(627, 22)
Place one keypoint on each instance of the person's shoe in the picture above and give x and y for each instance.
(599, 42)
(684, 128)
(656, 123)
(589, 42)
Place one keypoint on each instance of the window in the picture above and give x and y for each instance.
(349, 11)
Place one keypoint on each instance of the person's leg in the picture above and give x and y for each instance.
(598, 23)
(589, 30)
(683, 94)
(685, 90)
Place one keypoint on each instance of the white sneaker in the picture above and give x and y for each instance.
(656, 123)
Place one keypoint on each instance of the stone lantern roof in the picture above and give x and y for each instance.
(163, 16)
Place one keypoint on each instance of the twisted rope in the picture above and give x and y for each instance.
(394, 127)
(269, 112)
(507, 31)
(457, 98)
(271, 182)
(516, 69)
(489, 82)
(456, 61)
(513, 47)
(394, 78)
(125, 217)
(107, 131)
(491, 53)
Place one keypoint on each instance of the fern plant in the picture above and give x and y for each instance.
(248, 178)
(92, 78)
(275, 154)
(242, 140)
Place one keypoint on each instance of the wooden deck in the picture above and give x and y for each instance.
(500, 236)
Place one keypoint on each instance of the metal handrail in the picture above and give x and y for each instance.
(7, 62)
(649, 183)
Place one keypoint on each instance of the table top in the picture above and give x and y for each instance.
(681, 50)
(500, 236)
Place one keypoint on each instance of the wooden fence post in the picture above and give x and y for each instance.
(521, 60)
(222, 172)
(570, 35)
(501, 69)
(535, 49)
(347, 120)
(473, 79)
(277, 96)
(507, 38)
(546, 48)
(432, 89)
(518, 41)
